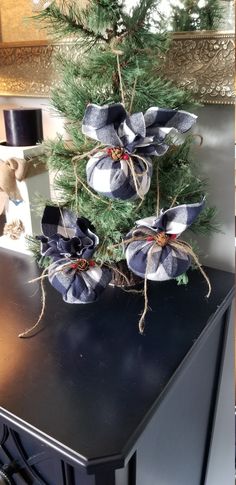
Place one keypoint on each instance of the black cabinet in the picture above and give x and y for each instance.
(89, 401)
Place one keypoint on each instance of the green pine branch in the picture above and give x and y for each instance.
(91, 76)
(192, 17)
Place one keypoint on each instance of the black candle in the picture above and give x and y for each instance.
(23, 126)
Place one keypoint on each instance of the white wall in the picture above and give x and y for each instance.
(216, 124)
(216, 157)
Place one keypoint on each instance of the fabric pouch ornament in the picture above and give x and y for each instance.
(153, 250)
(114, 174)
(81, 281)
(124, 170)
(70, 242)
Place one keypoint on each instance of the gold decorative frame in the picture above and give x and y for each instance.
(203, 62)
(200, 61)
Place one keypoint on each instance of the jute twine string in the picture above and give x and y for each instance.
(120, 78)
(40, 278)
(158, 193)
(79, 180)
(82, 156)
(186, 248)
(141, 323)
(133, 94)
(84, 185)
(44, 275)
(136, 176)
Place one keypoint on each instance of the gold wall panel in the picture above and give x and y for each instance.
(15, 22)
(201, 62)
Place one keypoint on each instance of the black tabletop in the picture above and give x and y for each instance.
(89, 379)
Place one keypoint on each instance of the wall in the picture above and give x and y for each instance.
(216, 162)
(15, 21)
(216, 157)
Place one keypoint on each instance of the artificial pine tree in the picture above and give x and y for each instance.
(116, 57)
(196, 15)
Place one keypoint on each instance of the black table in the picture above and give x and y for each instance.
(89, 401)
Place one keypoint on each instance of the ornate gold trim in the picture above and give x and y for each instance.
(203, 62)
(200, 61)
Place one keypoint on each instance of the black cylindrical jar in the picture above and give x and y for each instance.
(23, 126)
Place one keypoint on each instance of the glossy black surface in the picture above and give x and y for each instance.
(88, 379)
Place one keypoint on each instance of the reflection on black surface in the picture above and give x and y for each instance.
(90, 369)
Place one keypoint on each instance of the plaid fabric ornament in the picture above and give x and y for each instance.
(70, 242)
(81, 281)
(66, 236)
(120, 178)
(124, 171)
(153, 250)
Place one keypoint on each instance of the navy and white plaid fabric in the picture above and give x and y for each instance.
(138, 134)
(76, 286)
(113, 179)
(147, 258)
(67, 239)
(66, 235)
(141, 133)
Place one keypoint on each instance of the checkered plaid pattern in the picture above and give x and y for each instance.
(147, 258)
(65, 235)
(141, 133)
(79, 287)
(66, 239)
(114, 179)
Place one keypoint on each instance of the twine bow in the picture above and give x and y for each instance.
(11, 171)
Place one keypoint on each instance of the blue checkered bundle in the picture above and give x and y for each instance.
(150, 254)
(70, 242)
(114, 179)
(78, 286)
(138, 136)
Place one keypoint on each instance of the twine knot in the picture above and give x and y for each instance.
(82, 264)
(162, 239)
(117, 153)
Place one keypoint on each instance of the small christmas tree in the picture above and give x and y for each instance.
(196, 15)
(112, 69)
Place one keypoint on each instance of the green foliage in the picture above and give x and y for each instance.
(192, 17)
(92, 23)
(33, 245)
(182, 279)
(89, 73)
